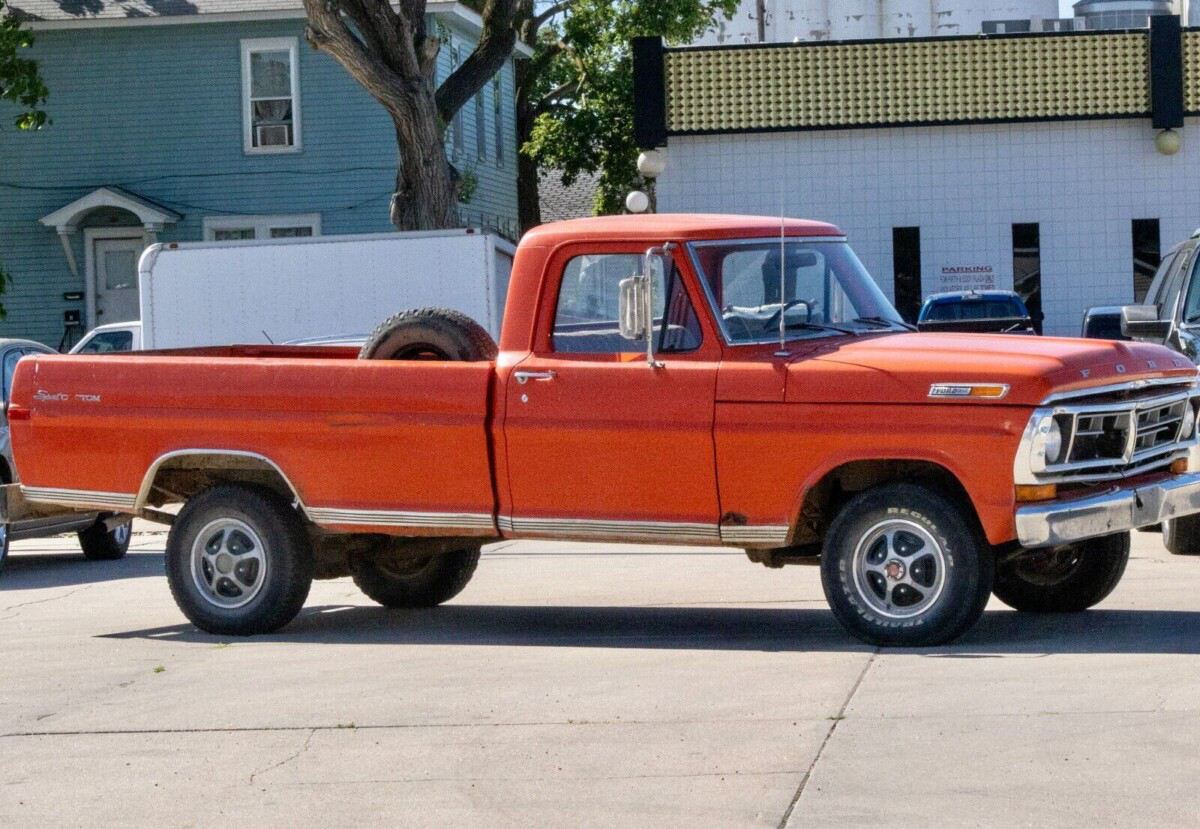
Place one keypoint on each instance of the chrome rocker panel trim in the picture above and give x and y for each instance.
(1117, 510)
(79, 498)
(390, 518)
(657, 531)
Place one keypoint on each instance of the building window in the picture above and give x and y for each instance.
(270, 96)
(245, 228)
(1027, 269)
(1147, 254)
(498, 120)
(480, 126)
(906, 271)
(456, 123)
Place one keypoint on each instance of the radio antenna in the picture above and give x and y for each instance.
(782, 352)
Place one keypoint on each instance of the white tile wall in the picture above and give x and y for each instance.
(1082, 181)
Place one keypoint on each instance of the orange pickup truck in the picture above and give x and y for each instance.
(671, 379)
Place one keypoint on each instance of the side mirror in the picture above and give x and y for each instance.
(1142, 322)
(631, 308)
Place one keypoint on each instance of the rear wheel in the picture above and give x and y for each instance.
(418, 582)
(101, 544)
(1063, 579)
(429, 334)
(902, 564)
(1182, 535)
(239, 561)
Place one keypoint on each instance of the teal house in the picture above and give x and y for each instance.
(188, 120)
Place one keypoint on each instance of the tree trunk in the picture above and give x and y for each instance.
(529, 208)
(426, 197)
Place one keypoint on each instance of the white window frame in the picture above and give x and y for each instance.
(270, 44)
(262, 225)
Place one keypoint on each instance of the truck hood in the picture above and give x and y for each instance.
(900, 368)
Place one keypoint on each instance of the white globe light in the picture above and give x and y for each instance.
(651, 163)
(637, 202)
(1167, 142)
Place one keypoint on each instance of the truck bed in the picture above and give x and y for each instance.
(388, 446)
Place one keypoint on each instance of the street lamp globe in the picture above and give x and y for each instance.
(651, 163)
(637, 202)
(1167, 142)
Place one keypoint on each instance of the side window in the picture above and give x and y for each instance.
(585, 321)
(1154, 292)
(1191, 308)
(10, 365)
(1176, 280)
(108, 342)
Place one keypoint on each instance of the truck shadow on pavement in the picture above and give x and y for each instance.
(999, 633)
(34, 571)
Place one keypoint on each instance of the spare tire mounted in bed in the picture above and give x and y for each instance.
(429, 334)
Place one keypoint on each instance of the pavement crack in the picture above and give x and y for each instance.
(43, 601)
(841, 715)
(287, 759)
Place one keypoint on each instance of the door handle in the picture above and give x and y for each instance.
(524, 377)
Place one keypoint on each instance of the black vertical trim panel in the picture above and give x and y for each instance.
(649, 93)
(1166, 71)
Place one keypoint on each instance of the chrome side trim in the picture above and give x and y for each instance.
(390, 518)
(79, 497)
(775, 535)
(615, 530)
(148, 480)
(1117, 510)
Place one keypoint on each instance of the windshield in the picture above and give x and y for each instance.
(825, 289)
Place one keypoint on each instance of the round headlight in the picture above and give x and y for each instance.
(1187, 430)
(1053, 440)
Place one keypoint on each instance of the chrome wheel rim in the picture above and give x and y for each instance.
(229, 563)
(899, 569)
(121, 534)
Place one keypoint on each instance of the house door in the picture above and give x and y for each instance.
(116, 278)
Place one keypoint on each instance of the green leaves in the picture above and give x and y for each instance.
(20, 81)
(582, 97)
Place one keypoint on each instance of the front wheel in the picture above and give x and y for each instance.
(1064, 579)
(101, 544)
(902, 564)
(239, 561)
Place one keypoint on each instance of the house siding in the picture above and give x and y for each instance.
(157, 110)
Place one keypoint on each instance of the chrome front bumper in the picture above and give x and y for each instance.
(1117, 510)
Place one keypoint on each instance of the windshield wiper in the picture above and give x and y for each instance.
(884, 322)
(812, 326)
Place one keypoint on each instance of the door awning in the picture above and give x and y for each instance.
(152, 216)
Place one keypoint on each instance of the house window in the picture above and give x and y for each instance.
(906, 271)
(1027, 269)
(270, 96)
(244, 228)
(456, 123)
(480, 127)
(1147, 254)
(498, 120)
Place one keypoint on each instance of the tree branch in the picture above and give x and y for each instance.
(494, 48)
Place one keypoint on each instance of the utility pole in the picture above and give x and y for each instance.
(761, 11)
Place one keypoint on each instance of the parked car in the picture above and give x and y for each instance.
(979, 312)
(672, 379)
(109, 338)
(98, 540)
(1103, 322)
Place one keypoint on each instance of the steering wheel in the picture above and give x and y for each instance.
(808, 304)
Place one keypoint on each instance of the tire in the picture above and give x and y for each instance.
(1182, 535)
(99, 544)
(3, 546)
(904, 565)
(429, 334)
(1065, 579)
(264, 579)
(426, 583)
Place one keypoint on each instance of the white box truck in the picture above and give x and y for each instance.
(220, 293)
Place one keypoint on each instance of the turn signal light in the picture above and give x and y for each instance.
(1179, 466)
(1040, 492)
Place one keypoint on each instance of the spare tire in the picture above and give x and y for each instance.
(429, 334)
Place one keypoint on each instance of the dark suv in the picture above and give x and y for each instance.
(979, 312)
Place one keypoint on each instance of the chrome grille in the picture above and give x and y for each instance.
(1121, 432)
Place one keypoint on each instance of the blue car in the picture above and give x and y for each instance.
(978, 312)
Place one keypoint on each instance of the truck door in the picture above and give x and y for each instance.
(600, 445)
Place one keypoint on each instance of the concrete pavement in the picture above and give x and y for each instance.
(587, 685)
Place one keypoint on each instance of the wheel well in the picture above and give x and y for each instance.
(6, 476)
(827, 497)
(178, 477)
